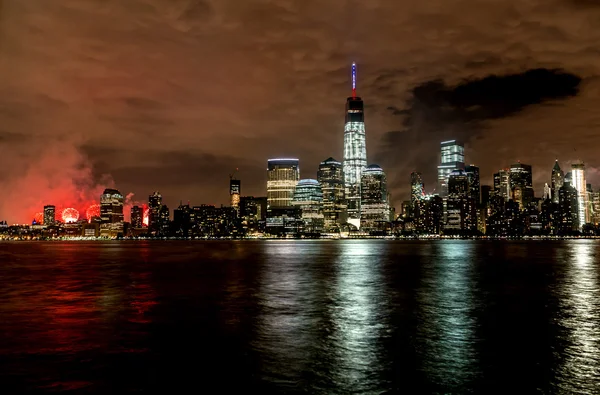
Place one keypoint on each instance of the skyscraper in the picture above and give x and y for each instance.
(308, 196)
(578, 182)
(49, 215)
(568, 220)
(461, 211)
(154, 205)
(331, 177)
(521, 183)
(547, 192)
(235, 189)
(417, 188)
(557, 181)
(474, 183)
(502, 184)
(374, 199)
(355, 152)
(111, 213)
(282, 177)
(452, 158)
(136, 217)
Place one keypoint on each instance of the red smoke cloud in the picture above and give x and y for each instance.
(53, 174)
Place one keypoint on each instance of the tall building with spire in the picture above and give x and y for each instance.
(355, 152)
(557, 181)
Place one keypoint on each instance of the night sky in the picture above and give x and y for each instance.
(173, 95)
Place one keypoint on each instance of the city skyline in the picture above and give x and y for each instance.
(179, 113)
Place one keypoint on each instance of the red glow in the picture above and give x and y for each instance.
(146, 215)
(92, 211)
(39, 218)
(70, 215)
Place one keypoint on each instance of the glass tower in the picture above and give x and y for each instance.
(111, 213)
(375, 209)
(282, 177)
(308, 196)
(452, 158)
(355, 151)
(331, 178)
(578, 182)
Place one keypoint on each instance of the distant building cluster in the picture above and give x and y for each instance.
(463, 207)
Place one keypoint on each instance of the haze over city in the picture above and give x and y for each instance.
(173, 95)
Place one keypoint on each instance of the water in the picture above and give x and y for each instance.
(300, 317)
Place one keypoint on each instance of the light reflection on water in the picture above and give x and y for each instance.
(354, 316)
(580, 317)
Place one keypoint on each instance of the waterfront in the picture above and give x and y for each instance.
(363, 316)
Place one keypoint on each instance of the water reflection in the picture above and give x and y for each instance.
(447, 331)
(286, 325)
(359, 316)
(580, 316)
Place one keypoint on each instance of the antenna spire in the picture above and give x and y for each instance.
(353, 80)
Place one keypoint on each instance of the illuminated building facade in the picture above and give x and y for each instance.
(568, 209)
(331, 177)
(578, 182)
(235, 189)
(375, 209)
(461, 204)
(417, 188)
(355, 152)
(49, 215)
(521, 180)
(502, 184)
(547, 192)
(253, 213)
(282, 177)
(474, 183)
(452, 157)
(557, 180)
(308, 197)
(154, 206)
(136, 217)
(111, 213)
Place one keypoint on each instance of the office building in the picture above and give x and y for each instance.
(308, 197)
(521, 183)
(547, 192)
(111, 213)
(282, 177)
(568, 208)
(331, 177)
(253, 213)
(502, 184)
(578, 182)
(474, 183)
(452, 157)
(461, 205)
(417, 188)
(154, 206)
(49, 215)
(556, 181)
(136, 217)
(235, 189)
(182, 225)
(375, 209)
(355, 152)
